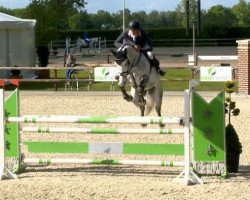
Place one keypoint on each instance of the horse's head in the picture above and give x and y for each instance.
(120, 55)
(127, 57)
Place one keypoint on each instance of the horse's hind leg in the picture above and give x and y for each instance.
(158, 110)
(142, 108)
(158, 100)
(159, 95)
(137, 103)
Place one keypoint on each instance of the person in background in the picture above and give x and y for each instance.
(70, 63)
(86, 38)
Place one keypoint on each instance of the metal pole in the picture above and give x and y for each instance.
(194, 44)
(187, 17)
(123, 24)
(198, 17)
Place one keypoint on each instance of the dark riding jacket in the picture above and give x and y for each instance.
(142, 39)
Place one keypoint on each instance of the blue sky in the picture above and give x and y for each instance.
(114, 6)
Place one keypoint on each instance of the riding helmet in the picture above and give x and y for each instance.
(134, 25)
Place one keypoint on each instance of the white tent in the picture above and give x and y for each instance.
(17, 46)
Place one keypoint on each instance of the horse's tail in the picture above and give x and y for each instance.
(150, 99)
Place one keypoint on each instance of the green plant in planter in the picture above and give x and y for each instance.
(233, 145)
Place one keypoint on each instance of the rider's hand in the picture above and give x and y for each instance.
(137, 47)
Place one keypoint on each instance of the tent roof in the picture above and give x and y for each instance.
(11, 22)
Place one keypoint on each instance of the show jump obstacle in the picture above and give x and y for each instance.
(203, 148)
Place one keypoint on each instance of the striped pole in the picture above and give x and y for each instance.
(95, 119)
(43, 161)
(101, 130)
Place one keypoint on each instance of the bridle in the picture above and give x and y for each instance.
(130, 65)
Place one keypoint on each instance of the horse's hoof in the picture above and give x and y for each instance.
(117, 77)
(181, 122)
(143, 125)
(162, 125)
(128, 98)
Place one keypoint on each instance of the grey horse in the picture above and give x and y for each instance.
(146, 87)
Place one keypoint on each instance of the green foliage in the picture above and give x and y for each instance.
(236, 111)
(229, 91)
(167, 33)
(108, 34)
(229, 85)
(227, 99)
(54, 17)
(241, 12)
(233, 144)
(230, 106)
(6, 10)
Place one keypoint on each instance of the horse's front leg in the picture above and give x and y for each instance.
(126, 96)
(122, 83)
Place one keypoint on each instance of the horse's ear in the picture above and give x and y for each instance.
(124, 51)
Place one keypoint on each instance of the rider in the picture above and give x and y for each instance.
(143, 43)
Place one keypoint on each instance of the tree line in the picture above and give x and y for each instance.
(54, 16)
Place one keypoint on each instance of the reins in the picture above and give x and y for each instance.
(131, 66)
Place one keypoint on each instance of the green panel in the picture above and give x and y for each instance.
(57, 147)
(96, 119)
(105, 162)
(153, 149)
(209, 128)
(128, 148)
(12, 129)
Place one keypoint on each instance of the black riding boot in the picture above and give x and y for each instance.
(156, 64)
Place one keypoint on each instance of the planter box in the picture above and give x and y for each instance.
(233, 162)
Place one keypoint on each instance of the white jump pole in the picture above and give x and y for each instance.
(52, 161)
(187, 176)
(102, 130)
(97, 119)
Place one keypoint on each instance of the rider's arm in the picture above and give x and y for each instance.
(146, 48)
(119, 41)
(148, 42)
